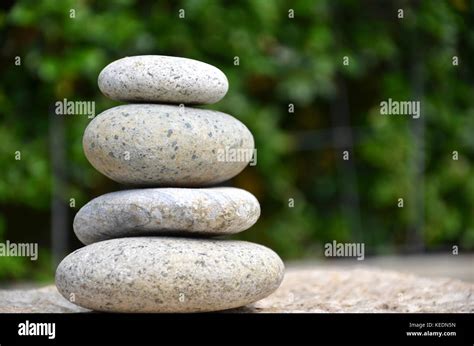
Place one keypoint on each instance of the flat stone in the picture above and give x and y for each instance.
(163, 145)
(160, 211)
(313, 288)
(163, 79)
(368, 290)
(36, 300)
(163, 274)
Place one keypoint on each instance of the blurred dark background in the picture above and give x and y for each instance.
(282, 61)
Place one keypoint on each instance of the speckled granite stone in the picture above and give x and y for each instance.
(178, 211)
(319, 287)
(162, 274)
(163, 79)
(163, 145)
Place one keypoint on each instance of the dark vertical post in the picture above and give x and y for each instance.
(417, 161)
(59, 208)
(343, 140)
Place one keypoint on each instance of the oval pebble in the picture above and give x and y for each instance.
(163, 79)
(161, 274)
(163, 145)
(160, 211)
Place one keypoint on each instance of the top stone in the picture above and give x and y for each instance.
(162, 79)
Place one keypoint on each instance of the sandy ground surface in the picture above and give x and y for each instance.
(310, 289)
(366, 290)
(435, 265)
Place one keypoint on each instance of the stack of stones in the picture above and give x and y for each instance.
(150, 249)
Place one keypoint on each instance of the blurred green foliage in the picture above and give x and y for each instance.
(282, 61)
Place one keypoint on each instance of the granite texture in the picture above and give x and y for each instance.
(163, 274)
(162, 145)
(311, 289)
(160, 211)
(162, 79)
(366, 291)
(36, 300)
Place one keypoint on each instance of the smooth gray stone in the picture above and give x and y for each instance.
(162, 79)
(160, 211)
(161, 274)
(163, 145)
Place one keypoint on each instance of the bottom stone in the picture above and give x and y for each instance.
(164, 274)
